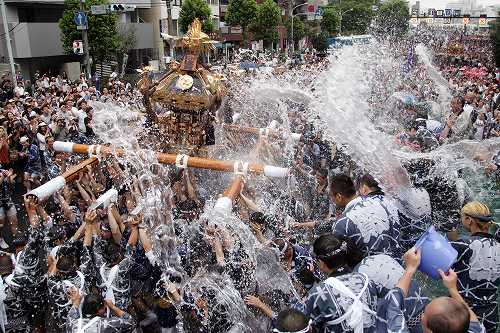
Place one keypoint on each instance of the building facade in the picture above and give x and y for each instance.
(35, 34)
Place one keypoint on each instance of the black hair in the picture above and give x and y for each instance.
(187, 205)
(455, 319)
(55, 233)
(91, 304)
(461, 99)
(19, 241)
(112, 253)
(66, 264)
(370, 182)
(342, 184)
(336, 252)
(258, 217)
(411, 125)
(67, 261)
(291, 320)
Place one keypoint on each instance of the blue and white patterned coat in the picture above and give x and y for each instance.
(385, 273)
(372, 225)
(478, 270)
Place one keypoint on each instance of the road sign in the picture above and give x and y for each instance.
(311, 12)
(439, 13)
(466, 20)
(483, 21)
(80, 19)
(98, 9)
(78, 47)
(448, 12)
(457, 13)
(447, 20)
(319, 13)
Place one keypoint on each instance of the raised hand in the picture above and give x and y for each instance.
(412, 258)
(449, 279)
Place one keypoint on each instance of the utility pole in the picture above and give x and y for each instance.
(170, 27)
(85, 38)
(7, 40)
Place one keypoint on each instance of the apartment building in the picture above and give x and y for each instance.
(35, 34)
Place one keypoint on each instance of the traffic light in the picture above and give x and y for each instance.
(120, 8)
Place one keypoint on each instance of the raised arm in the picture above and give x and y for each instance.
(116, 231)
(412, 261)
(450, 282)
(83, 192)
(67, 211)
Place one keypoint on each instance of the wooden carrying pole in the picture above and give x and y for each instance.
(180, 160)
(44, 191)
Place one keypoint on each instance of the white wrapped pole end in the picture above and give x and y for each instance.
(223, 205)
(110, 196)
(64, 147)
(46, 190)
(273, 171)
(273, 125)
(236, 117)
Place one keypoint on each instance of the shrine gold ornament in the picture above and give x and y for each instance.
(183, 102)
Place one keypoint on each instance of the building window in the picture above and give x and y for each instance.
(40, 14)
(174, 28)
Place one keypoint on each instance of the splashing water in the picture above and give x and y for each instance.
(350, 102)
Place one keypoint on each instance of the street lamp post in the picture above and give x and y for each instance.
(342, 14)
(292, 17)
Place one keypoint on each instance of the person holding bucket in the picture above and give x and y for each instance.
(478, 264)
(444, 314)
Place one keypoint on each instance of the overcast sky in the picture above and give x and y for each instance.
(442, 3)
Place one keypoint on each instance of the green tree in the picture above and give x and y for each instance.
(320, 42)
(102, 31)
(266, 21)
(495, 38)
(242, 13)
(128, 41)
(392, 18)
(192, 9)
(331, 21)
(355, 15)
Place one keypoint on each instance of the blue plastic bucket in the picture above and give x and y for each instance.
(437, 253)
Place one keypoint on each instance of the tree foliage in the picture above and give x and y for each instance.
(320, 42)
(495, 38)
(102, 30)
(330, 22)
(266, 21)
(392, 18)
(356, 15)
(299, 29)
(242, 13)
(192, 9)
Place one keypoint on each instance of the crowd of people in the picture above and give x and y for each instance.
(345, 246)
